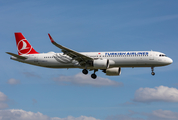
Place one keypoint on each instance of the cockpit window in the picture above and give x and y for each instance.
(162, 55)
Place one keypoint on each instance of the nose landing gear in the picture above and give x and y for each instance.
(152, 71)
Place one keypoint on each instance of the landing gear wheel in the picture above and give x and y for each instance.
(153, 73)
(85, 71)
(93, 76)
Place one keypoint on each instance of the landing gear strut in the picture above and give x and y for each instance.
(94, 76)
(85, 71)
(152, 71)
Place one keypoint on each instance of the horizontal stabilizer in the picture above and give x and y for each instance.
(17, 56)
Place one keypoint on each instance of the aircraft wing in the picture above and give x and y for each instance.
(17, 56)
(82, 59)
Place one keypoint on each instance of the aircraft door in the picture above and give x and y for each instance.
(151, 56)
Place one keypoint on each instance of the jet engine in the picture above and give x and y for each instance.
(101, 64)
(113, 71)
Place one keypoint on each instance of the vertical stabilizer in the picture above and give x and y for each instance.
(23, 46)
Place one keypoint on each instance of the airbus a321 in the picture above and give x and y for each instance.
(109, 62)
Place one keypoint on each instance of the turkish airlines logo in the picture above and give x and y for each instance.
(24, 47)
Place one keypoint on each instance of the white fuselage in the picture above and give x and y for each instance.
(117, 58)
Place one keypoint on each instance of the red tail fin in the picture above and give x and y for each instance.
(23, 46)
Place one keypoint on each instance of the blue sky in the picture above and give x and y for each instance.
(29, 92)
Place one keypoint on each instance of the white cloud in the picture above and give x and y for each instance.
(13, 81)
(81, 79)
(123, 117)
(73, 118)
(3, 105)
(3, 99)
(17, 114)
(163, 114)
(161, 93)
(154, 115)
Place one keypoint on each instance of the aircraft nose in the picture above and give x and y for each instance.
(169, 60)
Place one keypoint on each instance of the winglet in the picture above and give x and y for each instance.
(50, 38)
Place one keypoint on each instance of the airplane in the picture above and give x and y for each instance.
(109, 62)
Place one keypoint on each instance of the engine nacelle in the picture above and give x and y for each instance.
(113, 71)
(101, 64)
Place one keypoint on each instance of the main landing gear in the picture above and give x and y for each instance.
(152, 71)
(94, 76)
(85, 71)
